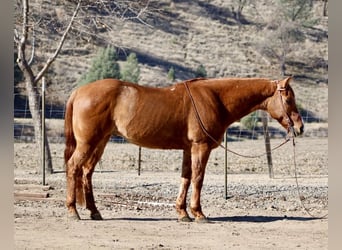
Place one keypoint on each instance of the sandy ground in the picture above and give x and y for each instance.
(139, 213)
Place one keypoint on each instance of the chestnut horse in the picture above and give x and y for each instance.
(191, 116)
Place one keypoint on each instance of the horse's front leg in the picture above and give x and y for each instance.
(184, 187)
(199, 158)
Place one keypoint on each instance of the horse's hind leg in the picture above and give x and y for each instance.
(184, 187)
(74, 179)
(88, 170)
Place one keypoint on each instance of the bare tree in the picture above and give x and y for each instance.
(286, 29)
(96, 16)
(30, 77)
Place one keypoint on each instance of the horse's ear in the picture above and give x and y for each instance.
(286, 82)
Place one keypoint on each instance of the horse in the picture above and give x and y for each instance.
(192, 116)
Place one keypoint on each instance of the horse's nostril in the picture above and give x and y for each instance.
(301, 129)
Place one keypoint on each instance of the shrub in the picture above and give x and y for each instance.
(171, 74)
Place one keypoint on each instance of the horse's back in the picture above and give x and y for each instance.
(99, 93)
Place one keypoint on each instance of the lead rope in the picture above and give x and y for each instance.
(218, 143)
(300, 196)
(290, 128)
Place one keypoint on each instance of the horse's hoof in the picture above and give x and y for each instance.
(73, 216)
(185, 219)
(202, 220)
(96, 216)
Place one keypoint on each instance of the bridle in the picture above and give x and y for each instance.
(289, 121)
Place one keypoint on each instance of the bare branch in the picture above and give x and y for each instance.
(16, 36)
(21, 43)
(25, 25)
(137, 15)
(33, 48)
(59, 47)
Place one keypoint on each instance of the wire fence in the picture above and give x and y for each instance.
(312, 148)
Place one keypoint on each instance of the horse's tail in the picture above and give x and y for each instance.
(70, 146)
(70, 141)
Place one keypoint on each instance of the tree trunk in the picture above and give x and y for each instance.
(283, 63)
(34, 106)
(325, 7)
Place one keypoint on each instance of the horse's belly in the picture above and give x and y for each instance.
(158, 143)
(159, 138)
(148, 122)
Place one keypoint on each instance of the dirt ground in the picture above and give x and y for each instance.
(139, 213)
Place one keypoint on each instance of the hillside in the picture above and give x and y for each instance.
(186, 34)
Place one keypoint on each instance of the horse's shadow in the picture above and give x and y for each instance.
(245, 218)
(140, 219)
(260, 219)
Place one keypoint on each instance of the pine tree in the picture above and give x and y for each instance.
(131, 70)
(103, 66)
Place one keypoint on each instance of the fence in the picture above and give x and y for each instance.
(311, 149)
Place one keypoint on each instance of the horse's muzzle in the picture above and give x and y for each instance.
(297, 131)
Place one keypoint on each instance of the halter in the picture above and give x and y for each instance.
(289, 121)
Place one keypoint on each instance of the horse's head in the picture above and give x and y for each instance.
(282, 107)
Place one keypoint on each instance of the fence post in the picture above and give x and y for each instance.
(139, 160)
(225, 166)
(267, 144)
(43, 130)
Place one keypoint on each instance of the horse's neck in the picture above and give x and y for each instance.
(243, 97)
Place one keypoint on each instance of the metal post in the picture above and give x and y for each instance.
(225, 166)
(139, 161)
(267, 144)
(43, 130)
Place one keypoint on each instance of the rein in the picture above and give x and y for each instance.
(290, 131)
(198, 117)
